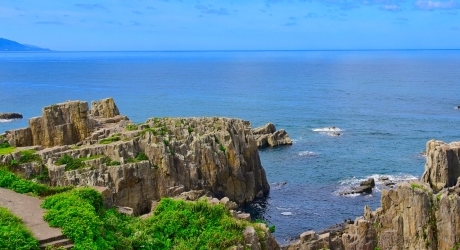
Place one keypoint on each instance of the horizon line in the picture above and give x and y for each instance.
(229, 50)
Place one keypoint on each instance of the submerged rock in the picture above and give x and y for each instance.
(9, 116)
(364, 187)
(268, 136)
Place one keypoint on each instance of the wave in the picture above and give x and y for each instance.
(307, 153)
(7, 120)
(327, 129)
(380, 181)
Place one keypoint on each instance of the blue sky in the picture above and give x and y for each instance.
(232, 25)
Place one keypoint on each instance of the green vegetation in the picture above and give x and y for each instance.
(175, 224)
(142, 157)
(29, 155)
(111, 139)
(19, 185)
(138, 158)
(70, 163)
(13, 234)
(109, 162)
(6, 148)
(439, 196)
(131, 127)
(222, 148)
(419, 186)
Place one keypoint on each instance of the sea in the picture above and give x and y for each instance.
(382, 105)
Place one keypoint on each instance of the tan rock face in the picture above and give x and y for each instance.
(411, 217)
(105, 108)
(268, 136)
(218, 155)
(442, 166)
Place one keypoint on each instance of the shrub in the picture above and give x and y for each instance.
(29, 155)
(13, 234)
(189, 225)
(81, 216)
(70, 163)
(142, 157)
(11, 181)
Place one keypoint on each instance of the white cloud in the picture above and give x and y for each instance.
(432, 5)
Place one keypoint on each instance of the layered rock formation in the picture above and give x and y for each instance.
(268, 136)
(412, 216)
(62, 124)
(144, 162)
(442, 166)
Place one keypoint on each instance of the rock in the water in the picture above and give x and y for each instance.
(268, 136)
(9, 116)
(364, 187)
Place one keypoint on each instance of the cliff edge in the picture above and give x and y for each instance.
(140, 162)
(415, 215)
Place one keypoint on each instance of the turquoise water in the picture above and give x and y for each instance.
(388, 104)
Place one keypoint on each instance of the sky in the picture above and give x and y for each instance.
(156, 25)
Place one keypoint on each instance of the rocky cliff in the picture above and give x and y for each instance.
(143, 162)
(415, 215)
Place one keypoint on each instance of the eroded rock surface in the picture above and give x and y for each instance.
(416, 215)
(442, 166)
(268, 136)
(144, 162)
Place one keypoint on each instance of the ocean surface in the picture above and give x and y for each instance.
(387, 104)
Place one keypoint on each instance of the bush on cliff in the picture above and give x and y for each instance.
(13, 234)
(189, 225)
(174, 224)
(12, 181)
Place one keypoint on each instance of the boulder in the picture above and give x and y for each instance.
(9, 116)
(364, 187)
(268, 136)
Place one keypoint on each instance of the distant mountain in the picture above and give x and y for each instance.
(8, 45)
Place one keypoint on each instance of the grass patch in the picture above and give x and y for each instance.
(131, 127)
(6, 148)
(110, 139)
(109, 162)
(19, 185)
(13, 234)
(138, 158)
(222, 148)
(419, 186)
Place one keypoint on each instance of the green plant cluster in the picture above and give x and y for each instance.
(13, 234)
(29, 155)
(11, 181)
(109, 140)
(71, 163)
(6, 148)
(131, 127)
(81, 216)
(109, 162)
(174, 225)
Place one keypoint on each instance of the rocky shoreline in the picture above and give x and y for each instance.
(134, 165)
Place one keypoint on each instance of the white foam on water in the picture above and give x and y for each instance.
(348, 183)
(286, 213)
(6, 120)
(307, 153)
(283, 208)
(327, 129)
